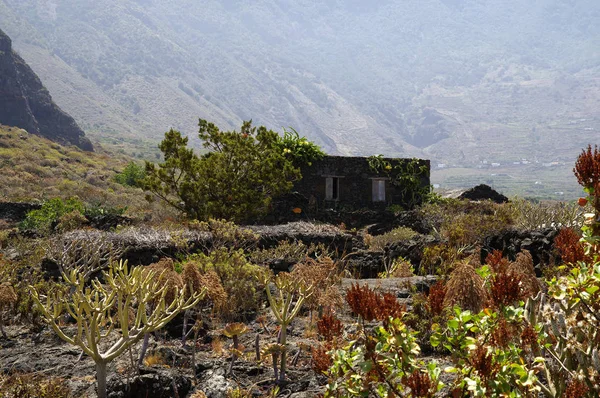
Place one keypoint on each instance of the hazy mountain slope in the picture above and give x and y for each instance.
(460, 81)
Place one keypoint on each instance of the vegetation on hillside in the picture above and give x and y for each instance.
(36, 169)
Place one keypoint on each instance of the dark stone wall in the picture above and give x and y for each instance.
(355, 183)
(25, 102)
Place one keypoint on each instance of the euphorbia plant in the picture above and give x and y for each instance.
(283, 306)
(120, 303)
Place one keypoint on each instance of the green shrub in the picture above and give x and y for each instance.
(399, 234)
(132, 175)
(239, 278)
(492, 357)
(237, 178)
(42, 220)
(382, 362)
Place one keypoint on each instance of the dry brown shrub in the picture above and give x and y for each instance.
(505, 289)
(496, 261)
(575, 389)
(569, 247)
(324, 275)
(483, 362)
(465, 288)
(214, 290)
(523, 266)
(321, 361)
(329, 327)
(435, 298)
(511, 282)
(371, 306)
(420, 384)
(167, 276)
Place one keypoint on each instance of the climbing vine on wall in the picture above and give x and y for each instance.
(406, 175)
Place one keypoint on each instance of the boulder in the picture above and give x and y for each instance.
(483, 192)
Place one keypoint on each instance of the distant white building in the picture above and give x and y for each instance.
(441, 166)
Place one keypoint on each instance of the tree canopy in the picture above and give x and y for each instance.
(236, 179)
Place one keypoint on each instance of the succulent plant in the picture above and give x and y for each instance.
(283, 307)
(274, 350)
(92, 307)
(233, 331)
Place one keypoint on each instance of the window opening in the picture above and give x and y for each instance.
(378, 190)
(332, 188)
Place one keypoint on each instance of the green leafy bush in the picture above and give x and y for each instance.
(299, 149)
(42, 220)
(382, 363)
(236, 180)
(132, 175)
(492, 356)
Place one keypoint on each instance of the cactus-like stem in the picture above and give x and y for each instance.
(92, 309)
(283, 309)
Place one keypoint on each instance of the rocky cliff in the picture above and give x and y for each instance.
(25, 102)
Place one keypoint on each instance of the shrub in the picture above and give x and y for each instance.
(240, 279)
(42, 220)
(382, 362)
(463, 222)
(298, 149)
(570, 323)
(226, 234)
(236, 180)
(569, 247)
(329, 327)
(23, 385)
(530, 215)
(465, 288)
(370, 305)
(289, 252)
(587, 171)
(510, 282)
(435, 298)
(287, 288)
(323, 274)
(132, 175)
(379, 242)
(71, 221)
(482, 366)
(126, 290)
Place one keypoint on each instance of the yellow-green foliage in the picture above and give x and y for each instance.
(36, 168)
(289, 251)
(463, 223)
(33, 386)
(239, 278)
(395, 235)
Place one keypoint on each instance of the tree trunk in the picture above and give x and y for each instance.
(101, 379)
